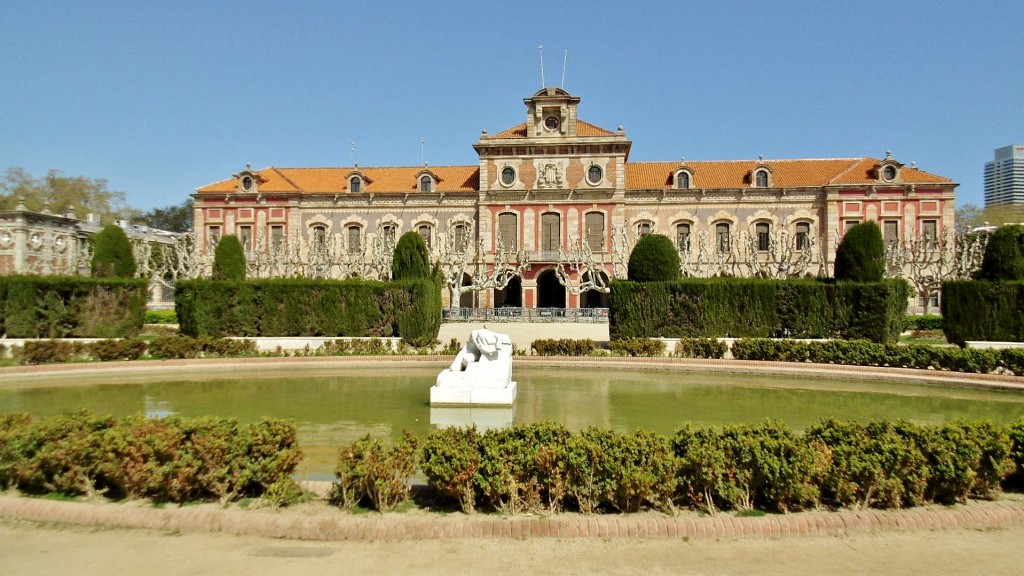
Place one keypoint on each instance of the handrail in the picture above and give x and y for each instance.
(517, 314)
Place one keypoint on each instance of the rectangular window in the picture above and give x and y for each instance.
(213, 234)
(890, 231)
(390, 232)
(682, 237)
(643, 229)
(762, 230)
(929, 231)
(850, 224)
(508, 230)
(245, 237)
(722, 235)
(550, 230)
(355, 244)
(803, 232)
(595, 231)
(424, 231)
(460, 239)
(276, 237)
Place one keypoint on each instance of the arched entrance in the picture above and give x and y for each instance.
(466, 299)
(511, 295)
(550, 292)
(593, 298)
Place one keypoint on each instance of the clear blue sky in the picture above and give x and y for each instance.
(162, 97)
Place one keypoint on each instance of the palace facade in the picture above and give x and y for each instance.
(554, 184)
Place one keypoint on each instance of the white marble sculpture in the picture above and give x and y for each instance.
(481, 374)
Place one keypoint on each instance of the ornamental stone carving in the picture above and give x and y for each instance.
(550, 176)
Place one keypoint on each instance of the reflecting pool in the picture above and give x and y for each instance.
(336, 407)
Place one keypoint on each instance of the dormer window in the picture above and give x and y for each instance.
(761, 179)
(426, 183)
(247, 183)
(355, 185)
(888, 170)
(247, 180)
(682, 179)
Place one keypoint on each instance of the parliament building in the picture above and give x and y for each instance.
(555, 182)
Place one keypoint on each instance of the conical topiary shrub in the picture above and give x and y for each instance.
(112, 254)
(411, 258)
(1004, 255)
(229, 259)
(860, 256)
(653, 259)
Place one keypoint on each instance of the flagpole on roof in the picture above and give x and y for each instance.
(542, 83)
(565, 60)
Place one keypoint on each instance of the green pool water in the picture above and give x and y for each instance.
(334, 408)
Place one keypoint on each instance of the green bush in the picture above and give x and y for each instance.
(114, 349)
(451, 459)
(301, 307)
(563, 347)
(229, 259)
(161, 317)
(1004, 255)
(172, 460)
(700, 348)
(860, 256)
(653, 259)
(756, 308)
(637, 347)
(924, 322)
(112, 255)
(983, 310)
(411, 259)
(74, 307)
(368, 470)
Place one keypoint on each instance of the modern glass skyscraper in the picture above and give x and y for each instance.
(1004, 177)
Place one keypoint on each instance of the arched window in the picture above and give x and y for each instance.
(761, 179)
(426, 183)
(355, 185)
(425, 233)
(595, 231)
(762, 230)
(722, 236)
(803, 235)
(682, 179)
(508, 230)
(354, 238)
(683, 237)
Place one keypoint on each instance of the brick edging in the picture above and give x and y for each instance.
(396, 527)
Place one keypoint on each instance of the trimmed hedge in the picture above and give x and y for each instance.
(863, 353)
(544, 467)
(653, 259)
(168, 460)
(301, 307)
(563, 347)
(983, 310)
(229, 259)
(72, 306)
(755, 308)
(860, 256)
(924, 322)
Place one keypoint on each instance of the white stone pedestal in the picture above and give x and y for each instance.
(480, 375)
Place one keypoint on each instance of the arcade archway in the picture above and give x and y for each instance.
(550, 292)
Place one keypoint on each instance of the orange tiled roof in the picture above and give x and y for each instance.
(582, 129)
(785, 173)
(399, 179)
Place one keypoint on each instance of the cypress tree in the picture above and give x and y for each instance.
(653, 259)
(1004, 255)
(112, 254)
(411, 258)
(229, 259)
(860, 256)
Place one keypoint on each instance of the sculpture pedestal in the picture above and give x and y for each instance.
(480, 375)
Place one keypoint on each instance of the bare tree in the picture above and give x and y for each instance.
(578, 270)
(460, 260)
(927, 262)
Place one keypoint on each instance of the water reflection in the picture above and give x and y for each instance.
(335, 409)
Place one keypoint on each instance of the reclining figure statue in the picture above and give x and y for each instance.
(481, 373)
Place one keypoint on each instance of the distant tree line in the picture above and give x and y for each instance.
(60, 194)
